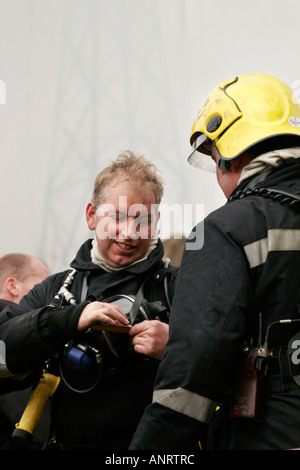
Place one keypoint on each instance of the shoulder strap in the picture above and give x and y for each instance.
(62, 284)
(161, 282)
(61, 288)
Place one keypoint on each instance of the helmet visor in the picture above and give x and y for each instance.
(202, 148)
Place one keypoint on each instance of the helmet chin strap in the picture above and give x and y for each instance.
(224, 164)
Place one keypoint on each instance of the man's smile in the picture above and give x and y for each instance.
(125, 246)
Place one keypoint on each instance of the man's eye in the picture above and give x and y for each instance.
(112, 216)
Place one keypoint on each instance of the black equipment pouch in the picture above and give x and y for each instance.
(248, 388)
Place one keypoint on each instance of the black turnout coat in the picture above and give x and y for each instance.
(249, 265)
(106, 415)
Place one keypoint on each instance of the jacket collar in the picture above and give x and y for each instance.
(268, 161)
(288, 174)
(83, 262)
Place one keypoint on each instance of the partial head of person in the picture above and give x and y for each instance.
(124, 210)
(19, 273)
(241, 119)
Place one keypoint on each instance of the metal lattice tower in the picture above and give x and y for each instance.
(113, 93)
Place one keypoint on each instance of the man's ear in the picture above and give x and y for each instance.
(235, 166)
(11, 286)
(90, 215)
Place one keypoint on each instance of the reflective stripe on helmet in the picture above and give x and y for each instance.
(277, 240)
(188, 403)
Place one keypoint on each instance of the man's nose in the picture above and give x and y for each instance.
(127, 229)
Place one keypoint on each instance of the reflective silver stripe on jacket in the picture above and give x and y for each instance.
(277, 240)
(4, 372)
(189, 403)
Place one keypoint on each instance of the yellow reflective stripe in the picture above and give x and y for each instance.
(277, 240)
(189, 403)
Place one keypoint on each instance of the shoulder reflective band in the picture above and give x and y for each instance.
(277, 240)
(4, 372)
(188, 403)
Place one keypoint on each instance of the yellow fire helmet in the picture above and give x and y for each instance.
(242, 112)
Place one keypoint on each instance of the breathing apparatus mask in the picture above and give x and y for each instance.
(97, 351)
(97, 354)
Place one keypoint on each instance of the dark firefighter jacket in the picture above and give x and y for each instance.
(249, 264)
(104, 416)
(12, 406)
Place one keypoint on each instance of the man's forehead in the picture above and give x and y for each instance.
(119, 187)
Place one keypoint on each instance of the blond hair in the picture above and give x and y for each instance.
(131, 167)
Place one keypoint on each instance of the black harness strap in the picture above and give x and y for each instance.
(281, 194)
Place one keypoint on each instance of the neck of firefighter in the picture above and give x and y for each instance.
(228, 179)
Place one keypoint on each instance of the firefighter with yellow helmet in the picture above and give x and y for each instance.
(231, 369)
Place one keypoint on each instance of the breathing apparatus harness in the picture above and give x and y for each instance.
(102, 349)
(283, 195)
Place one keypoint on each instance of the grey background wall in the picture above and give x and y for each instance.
(86, 79)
